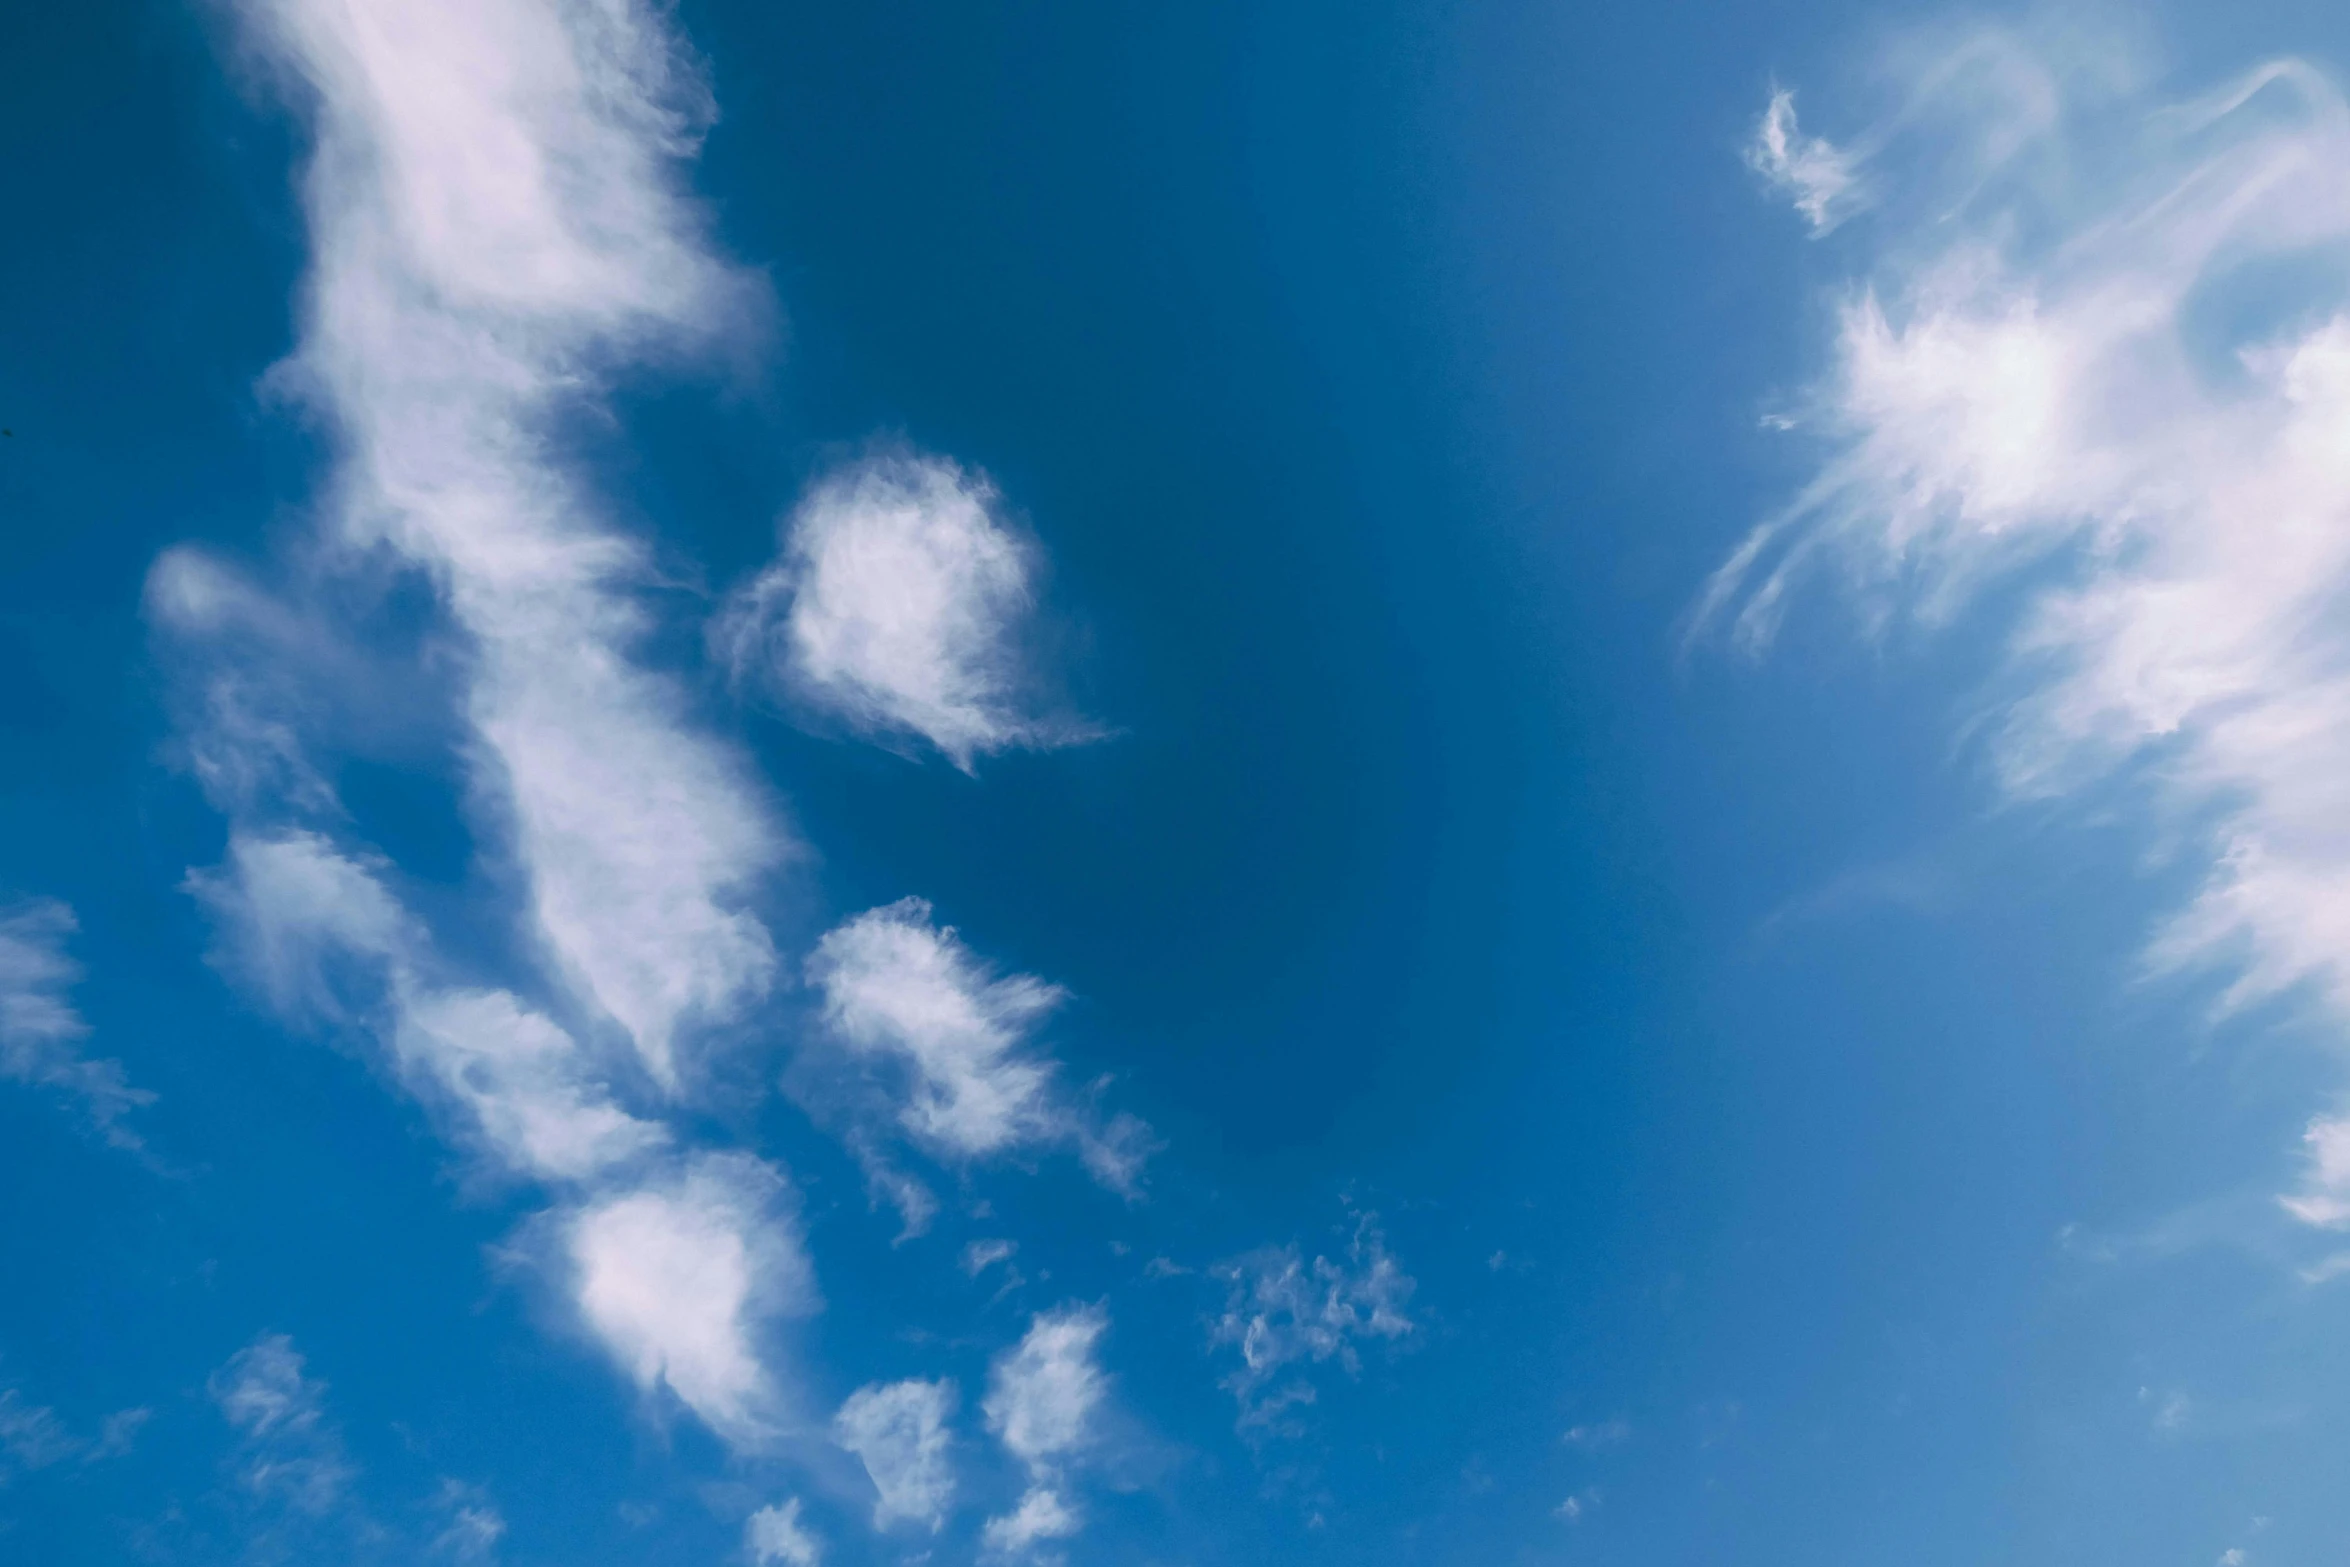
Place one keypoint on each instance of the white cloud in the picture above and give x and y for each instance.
(1042, 1515)
(495, 220)
(681, 1277)
(898, 987)
(898, 1430)
(474, 1525)
(2111, 371)
(1044, 1401)
(1044, 1393)
(775, 1535)
(41, 1033)
(2324, 1199)
(289, 1452)
(316, 930)
(899, 604)
(31, 1435)
(1280, 1310)
(895, 983)
(1819, 177)
(982, 1255)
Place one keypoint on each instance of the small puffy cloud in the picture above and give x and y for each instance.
(1044, 1393)
(1819, 177)
(775, 1537)
(899, 605)
(1042, 1515)
(898, 1431)
(289, 1451)
(41, 1033)
(680, 1277)
(1281, 1310)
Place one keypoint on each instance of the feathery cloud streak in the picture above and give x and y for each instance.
(40, 1031)
(2103, 356)
(901, 988)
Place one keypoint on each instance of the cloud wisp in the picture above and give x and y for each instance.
(41, 1032)
(290, 1452)
(2101, 363)
(900, 605)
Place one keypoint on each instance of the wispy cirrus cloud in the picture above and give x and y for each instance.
(1820, 178)
(41, 1032)
(901, 605)
(316, 930)
(898, 987)
(290, 1451)
(2097, 354)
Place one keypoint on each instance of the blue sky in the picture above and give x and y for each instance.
(1236, 784)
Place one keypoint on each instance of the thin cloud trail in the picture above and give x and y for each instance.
(2100, 356)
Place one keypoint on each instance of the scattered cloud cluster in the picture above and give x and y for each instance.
(1281, 1310)
(900, 606)
(498, 230)
(41, 1033)
(2105, 367)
